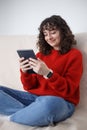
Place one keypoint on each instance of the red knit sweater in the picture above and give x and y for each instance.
(67, 71)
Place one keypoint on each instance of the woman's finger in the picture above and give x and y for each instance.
(21, 59)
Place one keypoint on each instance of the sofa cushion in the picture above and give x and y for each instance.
(9, 64)
(82, 46)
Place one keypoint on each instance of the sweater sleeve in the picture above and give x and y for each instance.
(68, 83)
(29, 81)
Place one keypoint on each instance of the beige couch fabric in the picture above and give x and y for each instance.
(10, 77)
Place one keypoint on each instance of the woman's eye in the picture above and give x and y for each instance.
(53, 32)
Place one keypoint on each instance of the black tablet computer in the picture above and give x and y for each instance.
(27, 54)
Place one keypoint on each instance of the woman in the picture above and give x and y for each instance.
(53, 90)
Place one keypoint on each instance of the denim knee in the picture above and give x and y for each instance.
(48, 103)
(56, 108)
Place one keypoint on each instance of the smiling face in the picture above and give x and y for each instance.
(52, 37)
(54, 33)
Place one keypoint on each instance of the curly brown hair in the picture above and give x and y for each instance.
(58, 23)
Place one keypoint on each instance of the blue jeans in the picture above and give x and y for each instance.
(29, 109)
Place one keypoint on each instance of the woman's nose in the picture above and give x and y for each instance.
(49, 36)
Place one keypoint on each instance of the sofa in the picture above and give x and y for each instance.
(10, 77)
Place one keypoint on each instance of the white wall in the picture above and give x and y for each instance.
(22, 17)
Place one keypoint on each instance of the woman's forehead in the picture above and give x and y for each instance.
(45, 31)
(49, 26)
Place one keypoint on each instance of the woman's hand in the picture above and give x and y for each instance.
(38, 66)
(24, 64)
